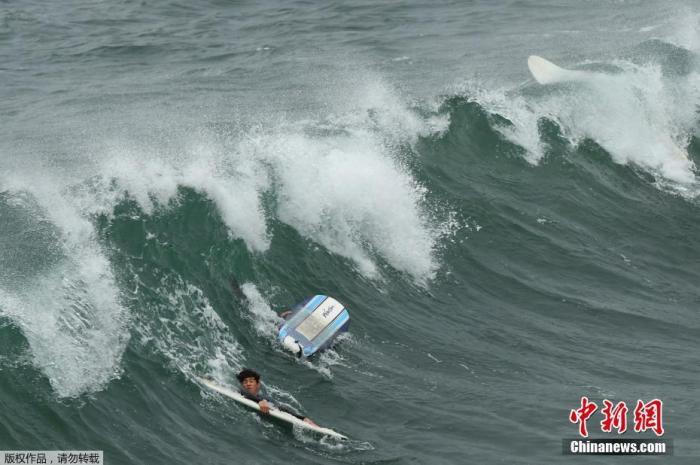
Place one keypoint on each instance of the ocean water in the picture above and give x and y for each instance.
(504, 247)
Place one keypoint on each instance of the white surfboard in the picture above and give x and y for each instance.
(546, 72)
(284, 416)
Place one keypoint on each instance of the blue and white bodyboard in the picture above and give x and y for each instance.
(313, 325)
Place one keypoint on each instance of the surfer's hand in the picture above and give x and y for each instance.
(264, 406)
(309, 421)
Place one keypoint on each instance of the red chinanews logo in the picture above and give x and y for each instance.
(647, 416)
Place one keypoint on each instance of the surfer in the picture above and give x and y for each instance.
(250, 386)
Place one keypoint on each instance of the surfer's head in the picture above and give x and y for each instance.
(250, 380)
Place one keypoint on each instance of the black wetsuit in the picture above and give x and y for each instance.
(257, 399)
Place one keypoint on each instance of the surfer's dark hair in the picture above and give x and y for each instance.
(248, 373)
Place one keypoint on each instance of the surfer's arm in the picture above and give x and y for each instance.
(264, 405)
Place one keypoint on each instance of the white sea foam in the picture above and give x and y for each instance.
(523, 130)
(342, 182)
(69, 312)
(683, 29)
(264, 318)
(181, 324)
(352, 198)
(153, 180)
(639, 115)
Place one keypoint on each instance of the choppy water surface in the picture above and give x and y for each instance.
(504, 247)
